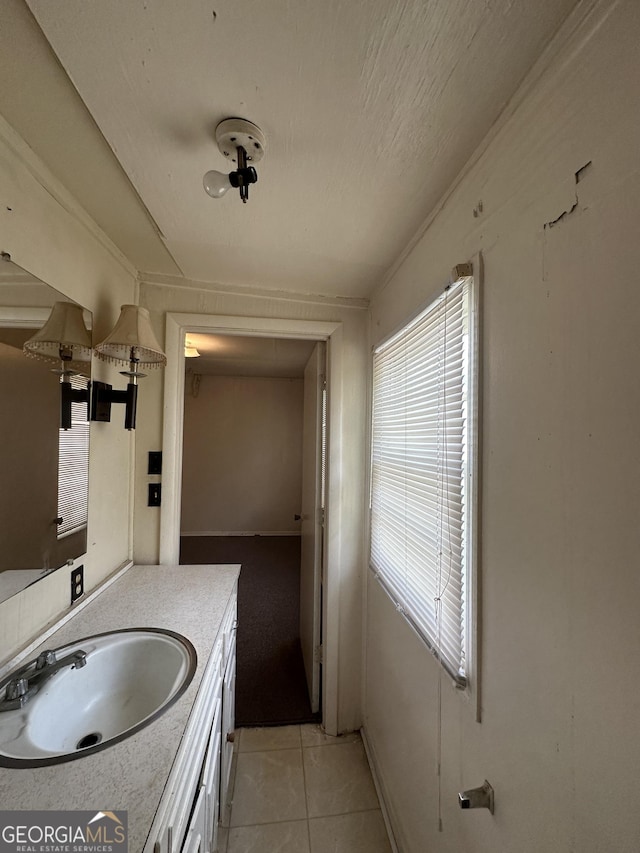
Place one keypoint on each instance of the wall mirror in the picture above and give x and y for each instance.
(43, 468)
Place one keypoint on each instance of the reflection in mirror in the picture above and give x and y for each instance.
(45, 470)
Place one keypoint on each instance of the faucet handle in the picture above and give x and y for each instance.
(79, 659)
(46, 658)
(16, 689)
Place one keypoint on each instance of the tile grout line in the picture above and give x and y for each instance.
(273, 823)
(304, 785)
(273, 749)
(262, 729)
(306, 798)
(344, 814)
(307, 819)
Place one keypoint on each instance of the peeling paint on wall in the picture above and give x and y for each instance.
(579, 176)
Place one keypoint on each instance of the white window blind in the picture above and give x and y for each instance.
(420, 484)
(73, 467)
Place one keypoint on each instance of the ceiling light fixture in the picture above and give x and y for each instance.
(190, 351)
(243, 143)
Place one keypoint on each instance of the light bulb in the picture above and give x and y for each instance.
(216, 184)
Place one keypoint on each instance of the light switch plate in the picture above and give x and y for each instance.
(155, 462)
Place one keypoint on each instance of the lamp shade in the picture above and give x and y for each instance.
(132, 339)
(63, 337)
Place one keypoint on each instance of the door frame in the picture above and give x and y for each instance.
(315, 383)
(178, 326)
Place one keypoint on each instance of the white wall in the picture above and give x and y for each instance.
(242, 455)
(560, 681)
(46, 233)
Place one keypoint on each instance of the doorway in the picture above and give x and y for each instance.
(339, 512)
(251, 494)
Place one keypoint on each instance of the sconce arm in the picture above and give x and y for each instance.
(103, 396)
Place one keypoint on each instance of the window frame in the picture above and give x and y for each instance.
(462, 275)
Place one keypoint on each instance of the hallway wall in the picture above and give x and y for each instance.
(560, 640)
(242, 455)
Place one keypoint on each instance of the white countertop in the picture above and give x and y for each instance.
(131, 775)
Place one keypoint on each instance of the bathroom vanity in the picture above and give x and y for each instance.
(172, 776)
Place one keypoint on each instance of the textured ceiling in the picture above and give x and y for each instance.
(370, 109)
(39, 102)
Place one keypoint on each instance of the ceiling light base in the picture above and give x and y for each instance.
(238, 132)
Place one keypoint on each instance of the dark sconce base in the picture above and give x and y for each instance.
(99, 396)
(103, 396)
(69, 395)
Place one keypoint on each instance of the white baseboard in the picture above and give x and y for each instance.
(380, 791)
(241, 533)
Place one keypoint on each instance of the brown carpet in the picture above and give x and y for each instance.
(271, 687)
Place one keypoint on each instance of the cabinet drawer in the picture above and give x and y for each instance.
(211, 783)
(179, 813)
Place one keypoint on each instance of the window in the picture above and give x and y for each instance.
(422, 472)
(73, 467)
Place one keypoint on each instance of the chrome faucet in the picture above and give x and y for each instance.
(25, 682)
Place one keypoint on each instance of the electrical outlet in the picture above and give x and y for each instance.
(155, 494)
(77, 583)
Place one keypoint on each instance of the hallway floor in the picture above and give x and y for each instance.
(298, 790)
(271, 686)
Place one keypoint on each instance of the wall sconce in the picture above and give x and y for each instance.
(65, 340)
(132, 342)
(242, 142)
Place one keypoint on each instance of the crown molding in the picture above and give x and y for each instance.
(251, 292)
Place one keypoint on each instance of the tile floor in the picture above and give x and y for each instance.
(298, 790)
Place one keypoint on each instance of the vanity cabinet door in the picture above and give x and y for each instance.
(172, 817)
(228, 723)
(195, 842)
(211, 782)
(202, 768)
(195, 754)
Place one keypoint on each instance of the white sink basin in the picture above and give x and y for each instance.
(130, 677)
